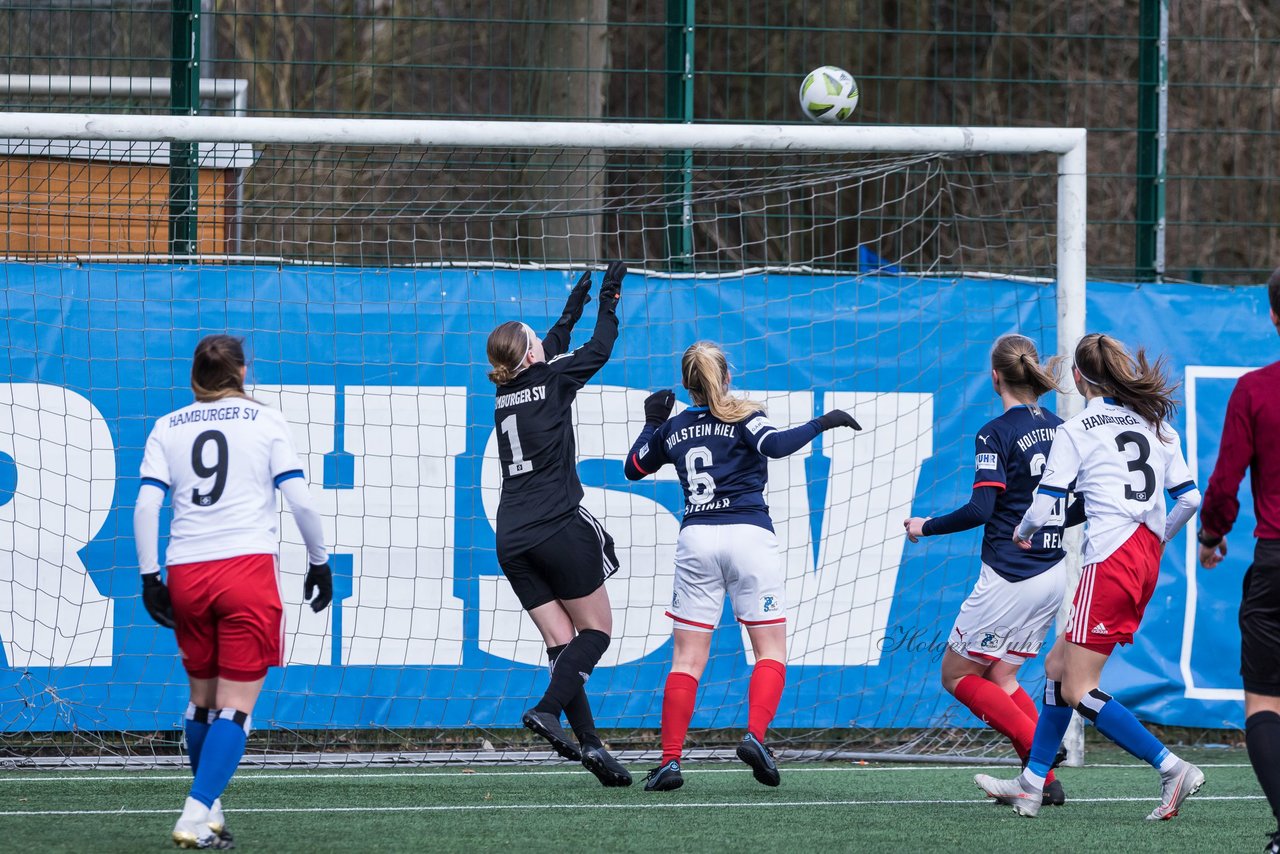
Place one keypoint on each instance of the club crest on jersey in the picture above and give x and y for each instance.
(985, 461)
(989, 641)
(675, 599)
(769, 604)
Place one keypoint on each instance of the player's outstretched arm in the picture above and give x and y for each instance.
(776, 444)
(319, 580)
(582, 364)
(146, 538)
(644, 459)
(981, 506)
(556, 341)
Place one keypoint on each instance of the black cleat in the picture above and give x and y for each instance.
(1273, 847)
(608, 770)
(1054, 795)
(760, 758)
(548, 727)
(665, 778)
(1057, 760)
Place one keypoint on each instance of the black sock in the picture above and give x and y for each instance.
(578, 710)
(573, 666)
(1262, 737)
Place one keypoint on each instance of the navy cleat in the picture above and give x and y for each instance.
(608, 770)
(548, 727)
(760, 758)
(665, 778)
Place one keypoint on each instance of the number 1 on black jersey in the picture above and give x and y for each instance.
(519, 465)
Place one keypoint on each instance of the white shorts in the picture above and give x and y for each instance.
(1007, 621)
(740, 559)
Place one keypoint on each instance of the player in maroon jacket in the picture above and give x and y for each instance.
(1248, 441)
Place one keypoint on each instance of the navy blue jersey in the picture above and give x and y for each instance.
(722, 467)
(1010, 453)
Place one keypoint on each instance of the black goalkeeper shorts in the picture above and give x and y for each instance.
(571, 563)
(1260, 621)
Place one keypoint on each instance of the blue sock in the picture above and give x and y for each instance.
(1055, 717)
(197, 727)
(1118, 724)
(220, 755)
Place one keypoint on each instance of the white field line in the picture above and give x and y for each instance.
(623, 806)
(372, 774)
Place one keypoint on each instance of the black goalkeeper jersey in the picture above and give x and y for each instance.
(534, 419)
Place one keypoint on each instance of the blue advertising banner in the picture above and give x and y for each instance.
(382, 375)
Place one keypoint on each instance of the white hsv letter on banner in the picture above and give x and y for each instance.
(51, 613)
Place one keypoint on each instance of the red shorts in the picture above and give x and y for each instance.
(1113, 595)
(230, 622)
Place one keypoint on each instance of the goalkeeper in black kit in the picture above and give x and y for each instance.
(555, 554)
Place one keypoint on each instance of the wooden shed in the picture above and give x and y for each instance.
(71, 198)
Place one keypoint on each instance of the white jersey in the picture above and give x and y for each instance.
(1121, 468)
(221, 462)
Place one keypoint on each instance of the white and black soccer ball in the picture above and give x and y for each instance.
(828, 94)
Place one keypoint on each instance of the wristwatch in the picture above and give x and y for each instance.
(1207, 542)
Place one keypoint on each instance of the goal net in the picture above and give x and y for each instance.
(364, 263)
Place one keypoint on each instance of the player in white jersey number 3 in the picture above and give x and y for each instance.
(1123, 456)
(222, 459)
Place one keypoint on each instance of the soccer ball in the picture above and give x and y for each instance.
(828, 94)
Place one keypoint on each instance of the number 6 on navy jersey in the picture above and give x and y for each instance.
(702, 486)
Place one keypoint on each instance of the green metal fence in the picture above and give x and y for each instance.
(1198, 186)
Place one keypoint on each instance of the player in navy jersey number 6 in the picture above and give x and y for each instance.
(222, 459)
(1122, 455)
(554, 553)
(1004, 621)
(721, 449)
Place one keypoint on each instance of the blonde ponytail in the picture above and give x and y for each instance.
(705, 372)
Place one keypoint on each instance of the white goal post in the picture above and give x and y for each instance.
(310, 151)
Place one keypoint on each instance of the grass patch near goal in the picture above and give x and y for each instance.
(877, 807)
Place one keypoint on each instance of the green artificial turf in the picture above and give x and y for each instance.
(818, 807)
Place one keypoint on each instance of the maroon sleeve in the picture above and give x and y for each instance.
(1221, 506)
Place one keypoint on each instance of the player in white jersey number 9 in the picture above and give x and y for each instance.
(721, 447)
(221, 460)
(1123, 455)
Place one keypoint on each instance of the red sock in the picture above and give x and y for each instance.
(677, 711)
(763, 695)
(1026, 704)
(1028, 707)
(998, 710)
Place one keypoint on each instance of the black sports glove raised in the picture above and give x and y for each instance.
(837, 418)
(611, 288)
(155, 598)
(657, 407)
(578, 298)
(319, 581)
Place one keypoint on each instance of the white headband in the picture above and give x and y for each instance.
(529, 338)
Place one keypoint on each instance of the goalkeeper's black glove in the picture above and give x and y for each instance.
(319, 581)
(155, 598)
(578, 298)
(837, 418)
(611, 288)
(657, 407)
